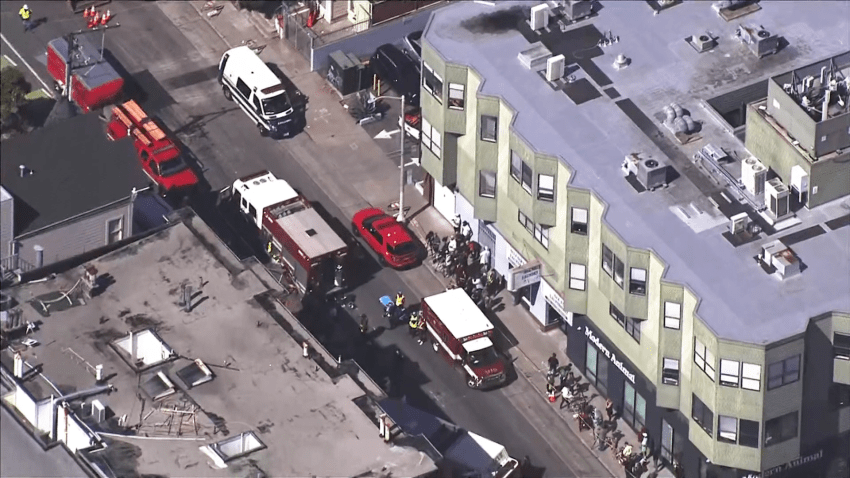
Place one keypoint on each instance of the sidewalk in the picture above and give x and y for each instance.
(360, 171)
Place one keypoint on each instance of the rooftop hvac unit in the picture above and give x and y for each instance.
(650, 172)
(577, 9)
(760, 41)
(539, 16)
(777, 196)
(753, 175)
(738, 223)
(555, 68)
(703, 42)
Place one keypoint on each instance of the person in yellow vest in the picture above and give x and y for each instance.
(421, 331)
(26, 16)
(413, 323)
(399, 300)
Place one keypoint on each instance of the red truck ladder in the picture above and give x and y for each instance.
(137, 121)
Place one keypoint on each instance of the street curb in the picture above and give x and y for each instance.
(525, 372)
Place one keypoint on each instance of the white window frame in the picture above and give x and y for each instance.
(456, 93)
(730, 373)
(672, 315)
(437, 95)
(482, 174)
(525, 221)
(431, 138)
(609, 266)
(670, 364)
(119, 231)
(578, 276)
(546, 187)
(541, 235)
(710, 360)
(704, 358)
(751, 376)
(723, 433)
(619, 271)
(578, 217)
(637, 275)
(495, 137)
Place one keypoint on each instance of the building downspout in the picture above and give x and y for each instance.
(71, 396)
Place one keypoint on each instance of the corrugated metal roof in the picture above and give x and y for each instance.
(312, 234)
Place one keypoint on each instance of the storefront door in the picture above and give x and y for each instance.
(590, 364)
(634, 407)
(602, 375)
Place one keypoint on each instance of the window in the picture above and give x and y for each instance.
(114, 230)
(634, 407)
(607, 260)
(257, 107)
(431, 138)
(456, 96)
(526, 222)
(516, 166)
(619, 271)
(748, 433)
(617, 315)
(672, 315)
(487, 183)
(780, 429)
(433, 83)
(727, 429)
(489, 128)
(729, 372)
(666, 441)
(578, 276)
(541, 234)
(702, 415)
(637, 281)
(545, 187)
(670, 371)
(579, 221)
(526, 177)
(783, 372)
(243, 88)
(841, 346)
(633, 328)
(704, 358)
(839, 395)
(751, 374)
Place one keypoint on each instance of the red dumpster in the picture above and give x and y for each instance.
(94, 82)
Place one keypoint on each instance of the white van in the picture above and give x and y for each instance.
(272, 101)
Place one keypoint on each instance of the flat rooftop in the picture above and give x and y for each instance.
(617, 112)
(309, 422)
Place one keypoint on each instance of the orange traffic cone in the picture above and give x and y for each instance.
(106, 17)
(86, 13)
(95, 19)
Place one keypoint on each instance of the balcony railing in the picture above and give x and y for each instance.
(14, 262)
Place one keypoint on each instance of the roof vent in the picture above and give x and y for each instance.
(23, 170)
(310, 232)
(702, 42)
(649, 172)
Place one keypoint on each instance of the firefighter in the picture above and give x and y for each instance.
(399, 300)
(421, 331)
(413, 323)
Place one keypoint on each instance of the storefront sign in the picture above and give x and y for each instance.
(514, 257)
(611, 356)
(792, 464)
(524, 275)
(557, 302)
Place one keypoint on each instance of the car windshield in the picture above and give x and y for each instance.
(276, 104)
(402, 249)
(482, 357)
(172, 166)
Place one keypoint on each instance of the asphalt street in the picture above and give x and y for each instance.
(171, 59)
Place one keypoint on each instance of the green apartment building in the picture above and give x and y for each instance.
(709, 314)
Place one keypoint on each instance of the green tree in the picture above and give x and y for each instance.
(13, 88)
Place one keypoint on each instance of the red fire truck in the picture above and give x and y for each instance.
(94, 82)
(297, 235)
(463, 332)
(160, 157)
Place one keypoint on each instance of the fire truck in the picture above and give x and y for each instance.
(160, 157)
(463, 332)
(296, 235)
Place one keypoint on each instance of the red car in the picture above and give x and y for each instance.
(387, 237)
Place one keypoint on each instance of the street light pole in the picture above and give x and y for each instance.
(400, 216)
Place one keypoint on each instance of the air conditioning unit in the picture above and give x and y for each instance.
(753, 175)
(650, 172)
(738, 223)
(703, 42)
(777, 197)
(760, 41)
(555, 68)
(577, 9)
(539, 16)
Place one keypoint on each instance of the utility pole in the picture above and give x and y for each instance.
(71, 40)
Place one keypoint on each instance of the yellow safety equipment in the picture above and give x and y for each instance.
(414, 321)
(25, 13)
(269, 247)
(399, 300)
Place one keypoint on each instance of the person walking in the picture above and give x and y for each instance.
(421, 332)
(609, 409)
(364, 324)
(26, 16)
(566, 397)
(553, 364)
(484, 258)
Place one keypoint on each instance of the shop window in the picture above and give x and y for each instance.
(780, 429)
(702, 415)
(433, 83)
(841, 346)
(637, 281)
(487, 183)
(489, 128)
(456, 96)
(666, 441)
(545, 187)
(541, 235)
(526, 222)
(578, 224)
(672, 315)
(634, 407)
(748, 433)
(578, 276)
(704, 358)
(619, 270)
(730, 371)
(783, 372)
(727, 429)
(617, 315)
(751, 376)
(670, 371)
(607, 261)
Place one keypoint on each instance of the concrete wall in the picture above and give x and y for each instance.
(74, 237)
(832, 177)
(71, 431)
(832, 134)
(7, 223)
(790, 115)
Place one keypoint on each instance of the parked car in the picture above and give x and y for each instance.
(394, 67)
(413, 44)
(386, 236)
